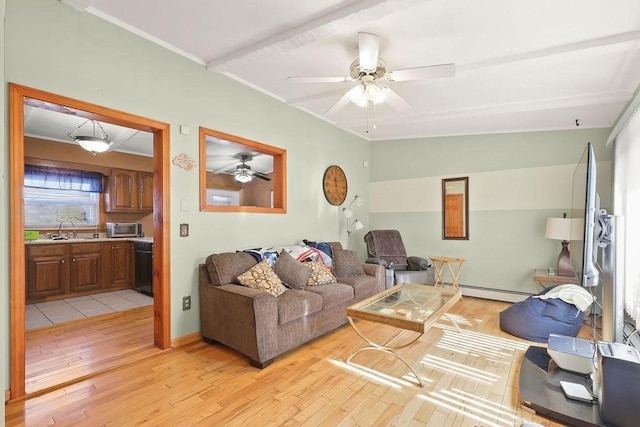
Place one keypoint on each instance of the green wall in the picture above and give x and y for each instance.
(54, 48)
(516, 181)
(4, 226)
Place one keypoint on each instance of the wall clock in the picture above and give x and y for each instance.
(334, 185)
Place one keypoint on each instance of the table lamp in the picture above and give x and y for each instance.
(563, 229)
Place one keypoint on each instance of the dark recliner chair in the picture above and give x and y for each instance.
(385, 247)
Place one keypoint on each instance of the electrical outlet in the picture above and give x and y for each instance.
(186, 303)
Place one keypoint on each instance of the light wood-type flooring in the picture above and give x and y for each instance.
(62, 353)
(471, 379)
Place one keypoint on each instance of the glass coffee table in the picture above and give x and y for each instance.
(407, 307)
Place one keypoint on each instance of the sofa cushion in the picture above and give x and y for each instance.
(320, 274)
(345, 263)
(292, 272)
(224, 268)
(261, 276)
(363, 286)
(333, 294)
(295, 304)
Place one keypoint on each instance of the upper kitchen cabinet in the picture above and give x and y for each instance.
(129, 191)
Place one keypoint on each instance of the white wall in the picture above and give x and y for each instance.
(54, 48)
(516, 181)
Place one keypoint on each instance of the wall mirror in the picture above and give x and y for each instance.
(240, 175)
(455, 208)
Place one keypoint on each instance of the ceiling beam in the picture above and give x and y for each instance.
(344, 19)
(79, 5)
(496, 109)
(607, 42)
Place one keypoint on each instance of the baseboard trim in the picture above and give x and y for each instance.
(186, 339)
(493, 294)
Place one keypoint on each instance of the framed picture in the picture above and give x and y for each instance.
(184, 230)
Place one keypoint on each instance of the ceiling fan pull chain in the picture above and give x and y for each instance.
(373, 112)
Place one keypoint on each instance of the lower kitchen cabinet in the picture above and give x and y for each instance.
(87, 266)
(65, 270)
(47, 271)
(120, 263)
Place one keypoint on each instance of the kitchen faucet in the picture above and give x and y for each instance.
(73, 233)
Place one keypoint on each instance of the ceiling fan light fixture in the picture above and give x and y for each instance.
(243, 177)
(94, 144)
(367, 92)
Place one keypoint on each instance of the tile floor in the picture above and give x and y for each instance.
(54, 312)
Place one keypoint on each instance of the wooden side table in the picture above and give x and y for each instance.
(543, 279)
(440, 262)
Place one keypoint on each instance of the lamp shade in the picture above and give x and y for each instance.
(93, 144)
(358, 225)
(564, 229)
(348, 213)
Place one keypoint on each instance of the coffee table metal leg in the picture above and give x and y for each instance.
(386, 348)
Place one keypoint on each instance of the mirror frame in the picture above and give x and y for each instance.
(445, 181)
(279, 177)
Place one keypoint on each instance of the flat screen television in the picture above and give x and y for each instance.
(584, 216)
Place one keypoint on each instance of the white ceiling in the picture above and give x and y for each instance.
(521, 65)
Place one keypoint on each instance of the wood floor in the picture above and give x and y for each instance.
(62, 353)
(471, 380)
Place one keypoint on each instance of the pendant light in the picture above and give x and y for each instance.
(94, 144)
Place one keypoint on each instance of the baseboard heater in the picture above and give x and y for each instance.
(493, 294)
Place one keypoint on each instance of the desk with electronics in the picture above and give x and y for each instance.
(576, 381)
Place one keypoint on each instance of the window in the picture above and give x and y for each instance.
(46, 208)
(627, 204)
(53, 195)
(219, 197)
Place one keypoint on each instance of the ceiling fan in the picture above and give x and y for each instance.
(244, 173)
(371, 74)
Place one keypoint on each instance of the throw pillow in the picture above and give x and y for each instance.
(320, 274)
(261, 276)
(345, 263)
(292, 272)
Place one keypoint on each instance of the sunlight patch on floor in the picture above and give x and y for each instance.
(372, 374)
(459, 369)
(485, 411)
(461, 342)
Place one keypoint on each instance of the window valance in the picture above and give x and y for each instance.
(62, 179)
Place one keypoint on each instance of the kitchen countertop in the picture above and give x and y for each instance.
(89, 240)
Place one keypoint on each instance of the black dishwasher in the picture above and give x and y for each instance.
(143, 267)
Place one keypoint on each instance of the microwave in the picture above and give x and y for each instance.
(124, 229)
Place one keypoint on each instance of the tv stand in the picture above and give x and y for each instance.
(546, 398)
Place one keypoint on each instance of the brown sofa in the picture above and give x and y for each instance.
(262, 326)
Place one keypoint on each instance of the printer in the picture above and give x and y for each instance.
(618, 383)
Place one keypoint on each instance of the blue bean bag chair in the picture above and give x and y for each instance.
(535, 318)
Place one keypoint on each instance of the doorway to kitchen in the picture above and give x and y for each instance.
(19, 96)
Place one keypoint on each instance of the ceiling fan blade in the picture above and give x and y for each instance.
(342, 79)
(394, 100)
(260, 175)
(422, 73)
(368, 47)
(342, 102)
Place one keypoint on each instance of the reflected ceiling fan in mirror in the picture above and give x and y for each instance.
(244, 173)
(371, 74)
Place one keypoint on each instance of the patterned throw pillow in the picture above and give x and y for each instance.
(320, 274)
(261, 276)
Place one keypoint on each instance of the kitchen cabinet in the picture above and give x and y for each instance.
(120, 263)
(86, 267)
(129, 191)
(145, 192)
(47, 271)
(65, 270)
